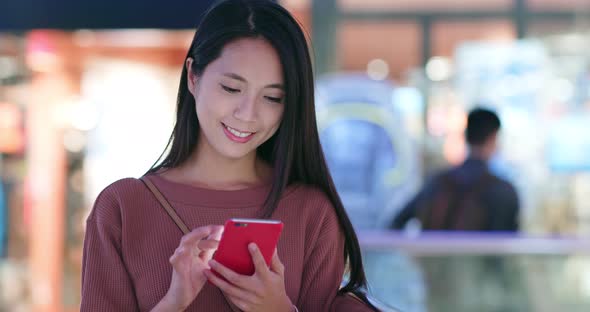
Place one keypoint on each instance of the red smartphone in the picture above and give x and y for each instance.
(238, 234)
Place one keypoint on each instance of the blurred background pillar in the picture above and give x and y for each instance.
(324, 25)
(45, 204)
(521, 18)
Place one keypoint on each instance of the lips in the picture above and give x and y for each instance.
(237, 135)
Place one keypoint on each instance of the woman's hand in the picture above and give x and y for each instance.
(263, 291)
(189, 261)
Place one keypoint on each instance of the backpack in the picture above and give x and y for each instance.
(455, 206)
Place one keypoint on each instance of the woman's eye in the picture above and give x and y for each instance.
(230, 90)
(274, 99)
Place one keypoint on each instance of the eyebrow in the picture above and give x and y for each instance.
(242, 79)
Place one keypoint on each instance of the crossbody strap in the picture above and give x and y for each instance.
(181, 225)
(166, 205)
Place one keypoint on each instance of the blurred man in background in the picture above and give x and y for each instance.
(468, 197)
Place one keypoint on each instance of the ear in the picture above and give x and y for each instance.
(191, 77)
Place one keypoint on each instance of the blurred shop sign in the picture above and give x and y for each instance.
(568, 148)
(371, 156)
(502, 74)
(11, 129)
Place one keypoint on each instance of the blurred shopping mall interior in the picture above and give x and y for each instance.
(88, 91)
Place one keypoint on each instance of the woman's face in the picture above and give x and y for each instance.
(239, 98)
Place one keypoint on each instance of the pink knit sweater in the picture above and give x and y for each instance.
(129, 239)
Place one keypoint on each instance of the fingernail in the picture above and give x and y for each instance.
(252, 247)
(212, 262)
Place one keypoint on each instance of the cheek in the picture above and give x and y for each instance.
(205, 111)
(200, 111)
(275, 118)
(205, 116)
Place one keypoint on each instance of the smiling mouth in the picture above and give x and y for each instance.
(237, 133)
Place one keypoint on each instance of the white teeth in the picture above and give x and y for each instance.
(238, 133)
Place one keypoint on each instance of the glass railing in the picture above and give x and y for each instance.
(458, 272)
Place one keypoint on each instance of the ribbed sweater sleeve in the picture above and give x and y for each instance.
(324, 260)
(106, 283)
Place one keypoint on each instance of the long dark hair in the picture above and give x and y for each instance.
(294, 151)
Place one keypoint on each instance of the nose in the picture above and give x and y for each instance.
(247, 109)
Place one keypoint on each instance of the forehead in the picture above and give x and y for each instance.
(255, 59)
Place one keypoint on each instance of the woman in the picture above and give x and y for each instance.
(245, 144)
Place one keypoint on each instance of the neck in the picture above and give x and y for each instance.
(478, 153)
(206, 168)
